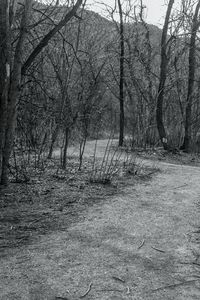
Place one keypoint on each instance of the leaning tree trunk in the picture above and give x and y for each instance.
(163, 76)
(13, 88)
(121, 84)
(191, 74)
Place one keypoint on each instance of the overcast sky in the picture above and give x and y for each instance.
(155, 9)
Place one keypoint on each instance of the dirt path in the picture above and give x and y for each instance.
(137, 245)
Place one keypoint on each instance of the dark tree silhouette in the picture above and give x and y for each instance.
(121, 83)
(163, 76)
(191, 74)
(11, 74)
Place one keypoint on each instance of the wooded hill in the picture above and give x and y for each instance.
(85, 58)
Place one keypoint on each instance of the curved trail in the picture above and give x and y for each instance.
(137, 245)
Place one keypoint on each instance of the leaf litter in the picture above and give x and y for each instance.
(52, 200)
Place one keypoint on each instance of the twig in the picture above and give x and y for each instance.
(111, 290)
(63, 298)
(88, 290)
(141, 245)
(23, 238)
(175, 285)
(119, 279)
(198, 231)
(178, 187)
(159, 250)
(35, 221)
(194, 275)
(128, 290)
(186, 262)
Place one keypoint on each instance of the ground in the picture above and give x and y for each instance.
(141, 242)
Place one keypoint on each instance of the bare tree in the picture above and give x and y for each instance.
(11, 74)
(191, 76)
(121, 83)
(163, 76)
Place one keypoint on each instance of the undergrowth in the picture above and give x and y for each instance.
(52, 198)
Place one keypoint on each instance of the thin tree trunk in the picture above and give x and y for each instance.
(81, 150)
(5, 63)
(64, 163)
(13, 93)
(53, 140)
(191, 74)
(121, 84)
(163, 75)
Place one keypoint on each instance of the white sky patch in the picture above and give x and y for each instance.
(154, 12)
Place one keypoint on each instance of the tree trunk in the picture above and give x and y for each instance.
(163, 74)
(53, 140)
(64, 163)
(121, 84)
(191, 74)
(5, 62)
(14, 87)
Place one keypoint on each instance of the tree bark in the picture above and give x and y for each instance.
(121, 83)
(191, 74)
(5, 63)
(53, 140)
(13, 87)
(163, 75)
(64, 162)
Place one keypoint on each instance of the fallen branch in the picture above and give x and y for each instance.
(178, 187)
(196, 263)
(111, 290)
(87, 292)
(141, 245)
(194, 275)
(186, 262)
(119, 279)
(175, 285)
(159, 250)
(198, 231)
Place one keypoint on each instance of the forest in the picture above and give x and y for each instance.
(99, 150)
(69, 74)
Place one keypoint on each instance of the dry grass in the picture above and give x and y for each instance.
(53, 199)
